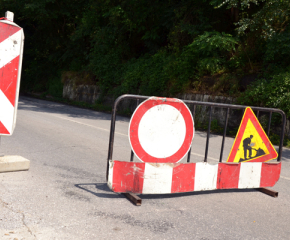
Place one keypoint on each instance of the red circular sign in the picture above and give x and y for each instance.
(161, 130)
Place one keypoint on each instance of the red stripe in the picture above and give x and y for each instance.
(128, 177)
(8, 79)
(3, 129)
(7, 30)
(183, 178)
(228, 176)
(270, 174)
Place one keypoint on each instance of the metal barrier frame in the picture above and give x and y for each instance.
(197, 103)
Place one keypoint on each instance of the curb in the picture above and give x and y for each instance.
(13, 163)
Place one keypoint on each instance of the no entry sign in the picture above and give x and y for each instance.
(11, 50)
(161, 130)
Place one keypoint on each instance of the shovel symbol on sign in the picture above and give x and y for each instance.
(248, 147)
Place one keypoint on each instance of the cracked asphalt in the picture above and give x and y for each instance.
(64, 194)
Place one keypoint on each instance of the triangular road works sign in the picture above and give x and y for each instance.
(251, 143)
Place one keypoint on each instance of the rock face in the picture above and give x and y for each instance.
(218, 114)
(81, 93)
(91, 93)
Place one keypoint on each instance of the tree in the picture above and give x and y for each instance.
(264, 17)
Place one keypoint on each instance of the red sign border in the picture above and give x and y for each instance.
(249, 115)
(134, 125)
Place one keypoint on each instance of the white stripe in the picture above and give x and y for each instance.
(205, 176)
(110, 177)
(10, 48)
(250, 175)
(157, 178)
(6, 112)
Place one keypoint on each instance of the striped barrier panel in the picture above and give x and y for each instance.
(162, 178)
(11, 51)
(162, 127)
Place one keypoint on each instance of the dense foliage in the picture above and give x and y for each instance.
(159, 47)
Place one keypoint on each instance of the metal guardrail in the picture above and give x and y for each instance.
(192, 106)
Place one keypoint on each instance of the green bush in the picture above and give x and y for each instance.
(278, 49)
(272, 92)
(209, 52)
(55, 87)
(147, 75)
(169, 73)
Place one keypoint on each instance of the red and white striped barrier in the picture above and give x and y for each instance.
(156, 178)
(11, 51)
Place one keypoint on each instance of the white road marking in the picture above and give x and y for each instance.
(285, 178)
(200, 155)
(88, 125)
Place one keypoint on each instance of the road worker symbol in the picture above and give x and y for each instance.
(248, 147)
(251, 143)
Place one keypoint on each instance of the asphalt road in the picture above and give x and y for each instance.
(64, 194)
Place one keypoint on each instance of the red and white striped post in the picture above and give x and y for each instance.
(11, 52)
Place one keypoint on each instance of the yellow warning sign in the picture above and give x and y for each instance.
(251, 143)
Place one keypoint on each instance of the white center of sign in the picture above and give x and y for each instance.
(162, 131)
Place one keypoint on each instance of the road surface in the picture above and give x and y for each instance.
(64, 194)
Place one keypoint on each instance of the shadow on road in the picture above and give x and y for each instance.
(37, 105)
(94, 189)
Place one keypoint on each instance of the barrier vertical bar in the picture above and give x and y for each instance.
(132, 153)
(269, 123)
(225, 132)
(132, 156)
(208, 133)
(189, 152)
(258, 113)
(112, 134)
(281, 137)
